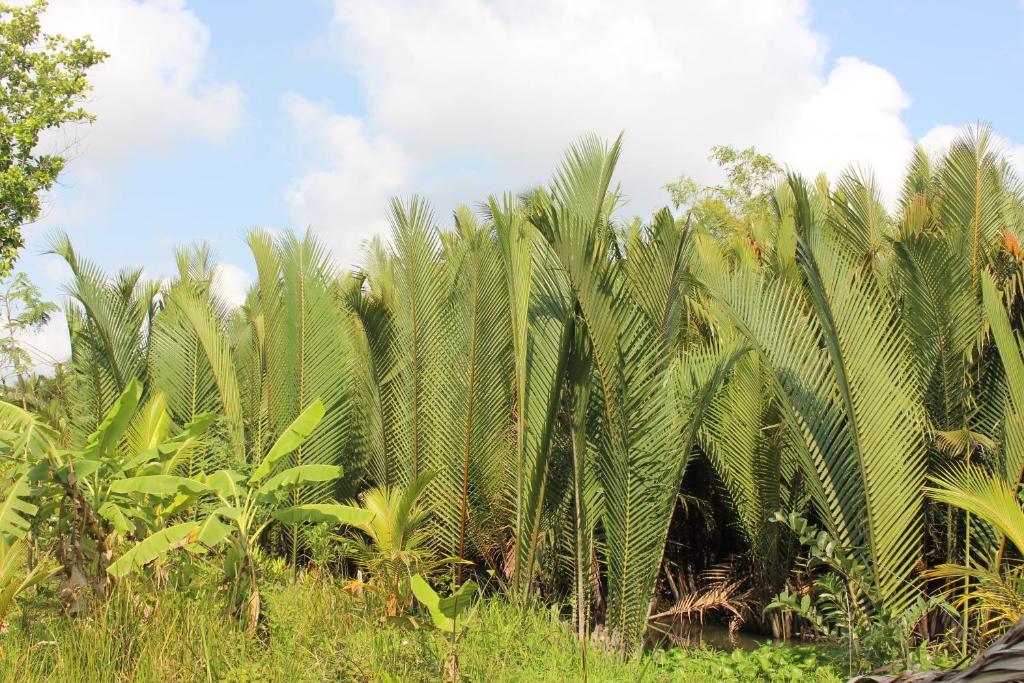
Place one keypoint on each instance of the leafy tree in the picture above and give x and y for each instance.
(746, 195)
(42, 85)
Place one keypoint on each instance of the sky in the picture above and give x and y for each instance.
(216, 116)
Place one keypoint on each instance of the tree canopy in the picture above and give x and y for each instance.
(42, 87)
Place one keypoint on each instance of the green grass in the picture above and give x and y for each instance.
(315, 631)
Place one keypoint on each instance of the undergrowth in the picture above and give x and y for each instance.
(314, 630)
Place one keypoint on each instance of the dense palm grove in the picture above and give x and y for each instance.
(802, 410)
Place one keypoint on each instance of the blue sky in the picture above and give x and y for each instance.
(958, 61)
(218, 116)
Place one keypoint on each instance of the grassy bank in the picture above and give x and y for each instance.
(315, 631)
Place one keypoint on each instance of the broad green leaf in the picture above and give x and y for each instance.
(197, 427)
(85, 467)
(303, 474)
(151, 425)
(15, 510)
(104, 440)
(337, 514)
(225, 483)
(113, 514)
(167, 451)
(213, 531)
(229, 512)
(156, 545)
(292, 437)
(157, 485)
(450, 613)
(458, 603)
(431, 600)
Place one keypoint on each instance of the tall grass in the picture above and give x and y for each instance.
(313, 631)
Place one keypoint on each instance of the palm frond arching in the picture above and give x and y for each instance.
(941, 320)
(315, 362)
(846, 394)
(265, 356)
(742, 438)
(371, 348)
(427, 395)
(641, 457)
(884, 425)
(418, 311)
(859, 219)
(190, 359)
(481, 331)
(109, 319)
(540, 311)
(971, 197)
(1011, 353)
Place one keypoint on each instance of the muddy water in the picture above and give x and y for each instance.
(692, 634)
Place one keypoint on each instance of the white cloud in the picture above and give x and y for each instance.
(469, 97)
(346, 196)
(231, 283)
(152, 92)
(938, 139)
(854, 119)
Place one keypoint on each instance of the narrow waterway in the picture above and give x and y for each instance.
(712, 634)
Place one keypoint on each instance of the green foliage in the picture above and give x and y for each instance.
(451, 614)
(43, 85)
(993, 586)
(535, 388)
(745, 197)
(17, 572)
(393, 545)
(843, 603)
(105, 492)
(243, 507)
(769, 662)
(314, 630)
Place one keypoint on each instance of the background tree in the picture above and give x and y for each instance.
(751, 178)
(42, 84)
(22, 309)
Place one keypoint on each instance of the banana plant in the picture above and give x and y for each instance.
(241, 508)
(451, 616)
(118, 485)
(16, 574)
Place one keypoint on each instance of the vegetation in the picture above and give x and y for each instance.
(318, 632)
(788, 407)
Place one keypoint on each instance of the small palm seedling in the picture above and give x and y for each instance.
(393, 545)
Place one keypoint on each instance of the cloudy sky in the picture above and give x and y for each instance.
(215, 116)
